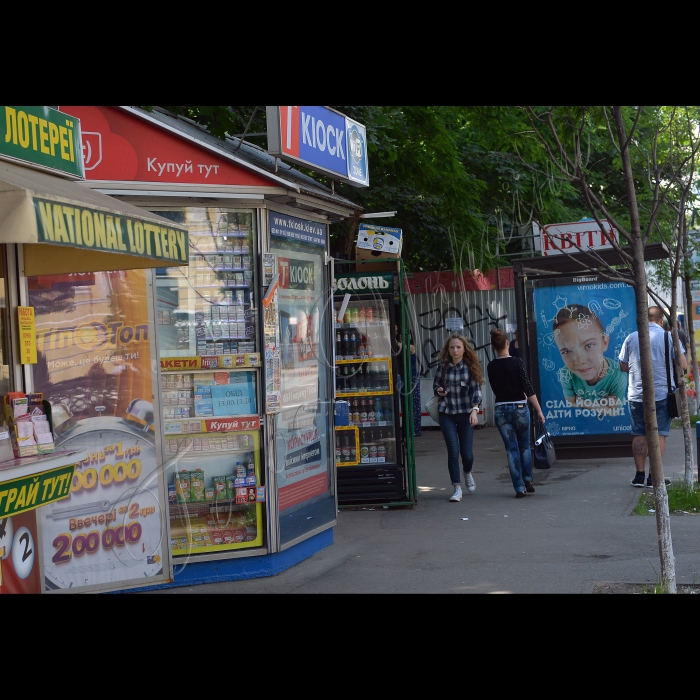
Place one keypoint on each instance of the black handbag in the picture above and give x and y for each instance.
(543, 454)
(673, 400)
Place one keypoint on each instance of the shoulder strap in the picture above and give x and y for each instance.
(668, 372)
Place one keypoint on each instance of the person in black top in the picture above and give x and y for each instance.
(513, 390)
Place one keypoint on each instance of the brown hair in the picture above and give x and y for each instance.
(470, 358)
(498, 339)
(571, 313)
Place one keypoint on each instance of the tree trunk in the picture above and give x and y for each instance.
(690, 338)
(663, 520)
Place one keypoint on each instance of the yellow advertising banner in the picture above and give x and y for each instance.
(27, 335)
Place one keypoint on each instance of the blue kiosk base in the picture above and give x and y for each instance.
(195, 574)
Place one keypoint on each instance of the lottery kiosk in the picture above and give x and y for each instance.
(81, 489)
(243, 337)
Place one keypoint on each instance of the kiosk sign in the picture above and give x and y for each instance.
(321, 139)
(571, 237)
(42, 136)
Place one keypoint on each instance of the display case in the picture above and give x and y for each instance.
(209, 308)
(364, 377)
(209, 386)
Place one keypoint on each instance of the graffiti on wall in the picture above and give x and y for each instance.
(430, 332)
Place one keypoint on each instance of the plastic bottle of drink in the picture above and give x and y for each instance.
(378, 413)
(338, 345)
(369, 314)
(362, 349)
(368, 348)
(352, 343)
(344, 345)
(355, 315)
(351, 382)
(362, 317)
(346, 317)
(346, 378)
(338, 450)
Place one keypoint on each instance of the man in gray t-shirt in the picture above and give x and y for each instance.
(630, 362)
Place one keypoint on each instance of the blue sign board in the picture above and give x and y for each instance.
(321, 139)
(285, 226)
(581, 323)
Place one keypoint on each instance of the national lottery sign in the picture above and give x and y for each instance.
(321, 139)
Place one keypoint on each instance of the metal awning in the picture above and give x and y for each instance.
(582, 262)
(66, 227)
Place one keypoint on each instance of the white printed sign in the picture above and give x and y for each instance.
(556, 239)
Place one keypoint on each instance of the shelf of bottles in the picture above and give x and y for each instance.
(364, 377)
(347, 446)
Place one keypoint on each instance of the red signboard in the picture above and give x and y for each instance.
(120, 146)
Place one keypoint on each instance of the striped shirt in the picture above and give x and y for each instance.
(464, 391)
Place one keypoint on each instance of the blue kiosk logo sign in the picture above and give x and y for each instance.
(321, 139)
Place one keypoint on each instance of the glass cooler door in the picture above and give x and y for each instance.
(364, 377)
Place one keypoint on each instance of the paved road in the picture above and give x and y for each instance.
(575, 530)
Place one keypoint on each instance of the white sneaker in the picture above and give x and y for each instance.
(457, 495)
(469, 481)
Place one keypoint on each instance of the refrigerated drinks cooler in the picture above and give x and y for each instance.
(370, 460)
(206, 316)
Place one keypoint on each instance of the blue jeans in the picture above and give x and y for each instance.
(513, 424)
(663, 419)
(459, 438)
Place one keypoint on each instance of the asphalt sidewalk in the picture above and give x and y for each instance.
(576, 530)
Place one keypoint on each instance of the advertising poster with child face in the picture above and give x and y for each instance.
(581, 324)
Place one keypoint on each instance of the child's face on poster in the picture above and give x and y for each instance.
(582, 348)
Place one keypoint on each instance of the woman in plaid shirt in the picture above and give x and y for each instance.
(460, 394)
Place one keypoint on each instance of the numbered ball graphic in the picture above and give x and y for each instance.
(7, 532)
(23, 553)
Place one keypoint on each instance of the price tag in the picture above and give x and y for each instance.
(27, 335)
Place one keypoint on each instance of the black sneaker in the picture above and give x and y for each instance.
(638, 480)
(650, 484)
(520, 494)
(529, 487)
